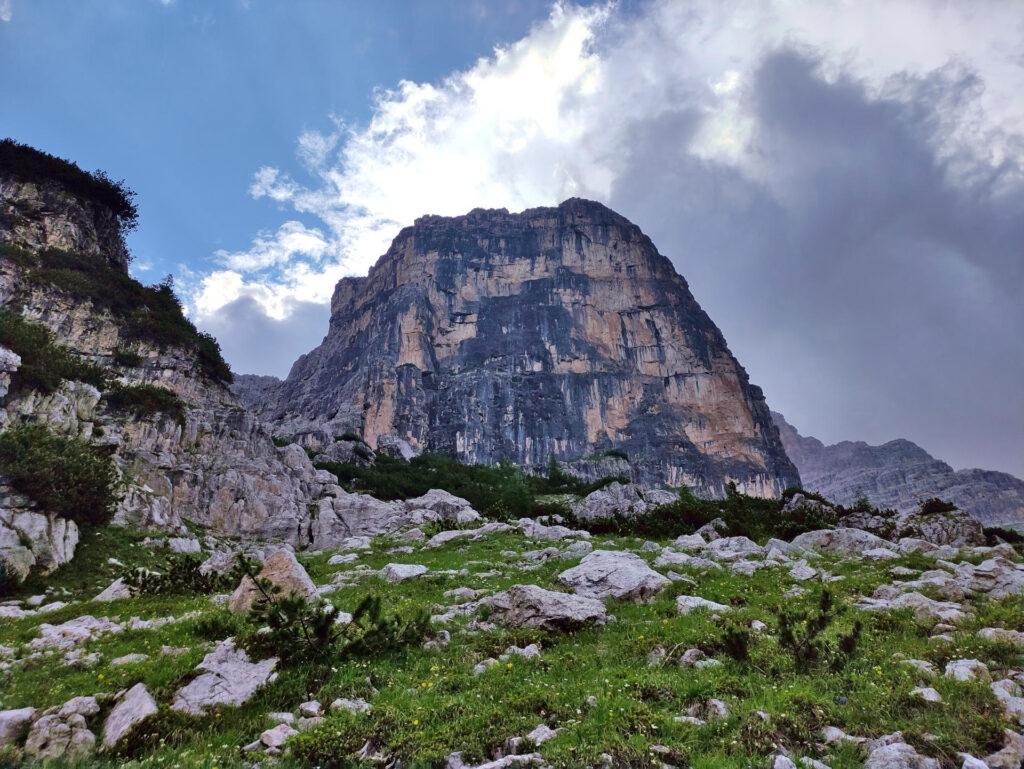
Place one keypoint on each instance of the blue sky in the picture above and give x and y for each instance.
(840, 183)
(185, 100)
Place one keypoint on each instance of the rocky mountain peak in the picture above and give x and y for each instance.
(558, 331)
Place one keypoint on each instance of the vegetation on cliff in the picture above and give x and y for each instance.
(63, 474)
(151, 314)
(29, 164)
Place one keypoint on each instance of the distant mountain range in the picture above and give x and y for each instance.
(899, 474)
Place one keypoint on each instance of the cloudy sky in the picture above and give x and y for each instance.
(841, 183)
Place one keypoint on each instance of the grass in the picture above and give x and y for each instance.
(429, 703)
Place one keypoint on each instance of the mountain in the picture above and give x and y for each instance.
(553, 332)
(898, 475)
(104, 362)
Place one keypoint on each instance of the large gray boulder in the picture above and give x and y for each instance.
(952, 527)
(59, 738)
(533, 606)
(227, 678)
(134, 707)
(841, 541)
(14, 725)
(898, 755)
(615, 574)
(619, 499)
(283, 570)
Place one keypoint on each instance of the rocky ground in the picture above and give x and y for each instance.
(548, 647)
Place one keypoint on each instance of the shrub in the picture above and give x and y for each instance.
(8, 580)
(180, 575)
(735, 641)
(144, 400)
(31, 165)
(298, 630)
(349, 435)
(126, 358)
(281, 442)
(802, 635)
(62, 474)
(147, 313)
(935, 506)
(44, 363)
(615, 454)
(995, 534)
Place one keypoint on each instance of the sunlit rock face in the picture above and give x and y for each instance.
(553, 332)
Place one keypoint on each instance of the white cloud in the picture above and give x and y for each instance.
(5, 10)
(566, 110)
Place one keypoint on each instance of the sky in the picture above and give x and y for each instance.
(841, 183)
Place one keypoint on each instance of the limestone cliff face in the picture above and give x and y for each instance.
(898, 475)
(556, 331)
(217, 467)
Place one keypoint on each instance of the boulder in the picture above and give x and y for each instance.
(134, 706)
(619, 499)
(841, 541)
(967, 670)
(14, 725)
(64, 739)
(115, 591)
(898, 755)
(399, 572)
(283, 570)
(227, 678)
(1011, 755)
(533, 606)
(607, 574)
(953, 527)
(689, 603)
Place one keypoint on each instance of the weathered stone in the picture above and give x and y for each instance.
(840, 541)
(898, 755)
(608, 574)
(967, 670)
(60, 738)
(14, 725)
(130, 710)
(277, 736)
(227, 678)
(283, 570)
(689, 603)
(533, 606)
(399, 572)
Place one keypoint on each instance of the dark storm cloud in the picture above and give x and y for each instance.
(872, 280)
(255, 343)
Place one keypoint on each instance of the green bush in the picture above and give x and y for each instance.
(44, 363)
(31, 165)
(127, 358)
(148, 313)
(144, 400)
(802, 635)
(298, 630)
(64, 475)
(935, 506)
(180, 575)
(501, 491)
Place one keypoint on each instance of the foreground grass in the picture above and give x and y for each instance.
(429, 703)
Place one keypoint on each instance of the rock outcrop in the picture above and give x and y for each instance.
(216, 465)
(553, 332)
(898, 475)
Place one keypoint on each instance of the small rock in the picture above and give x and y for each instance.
(276, 736)
(357, 705)
(311, 709)
(926, 693)
(689, 603)
(131, 709)
(967, 670)
(399, 572)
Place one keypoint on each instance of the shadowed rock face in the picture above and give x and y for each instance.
(900, 474)
(557, 331)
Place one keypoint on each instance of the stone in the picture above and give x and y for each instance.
(926, 693)
(732, 549)
(605, 574)
(967, 670)
(783, 762)
(310, 709)
(14, 725)
(128, 712)
(801, 572)
(533, 606)
(689, 542)
(685, 604)
(1008, 692)
(1002, 635)
(278, 735)
(129, 659)
(839, 541)
(282, 569)
(357, 705)
(338, 560)
(444, 537)
(54, 737)
(82, 706)
(1011, 755)
(898, 755)
(115, 591)
(227, 678)
(617, 499)
(184, 545)
(399, 572)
